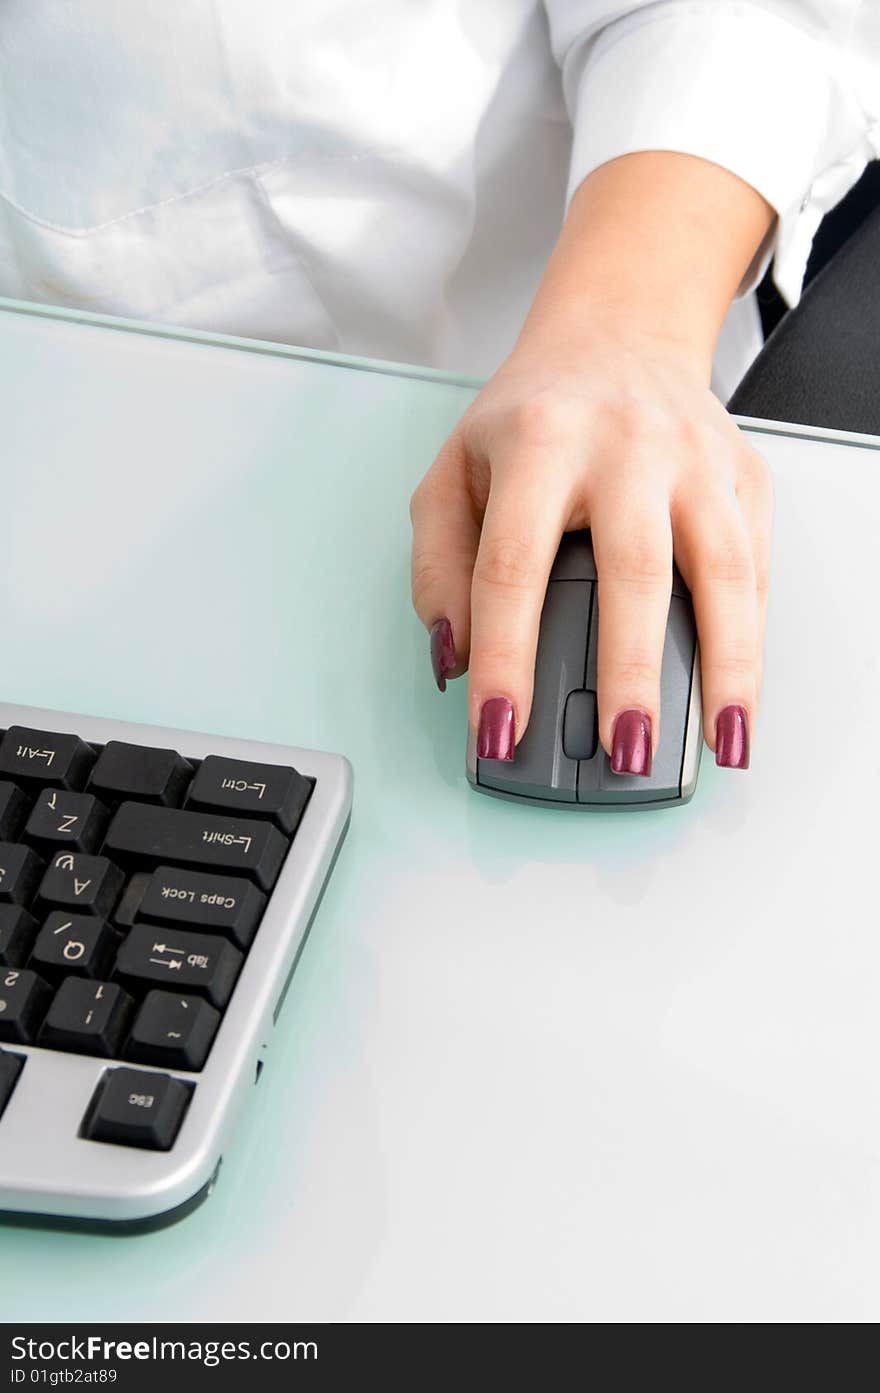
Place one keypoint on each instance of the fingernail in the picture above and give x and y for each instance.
(631, 744)
(496, 736)
(442, 652)
(732, 738)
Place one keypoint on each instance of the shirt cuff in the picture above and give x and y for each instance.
(733, 84)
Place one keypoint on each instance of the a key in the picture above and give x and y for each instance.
(23, 1000)
(134, 1108)
(170, 958)
(10, 1068)
(173, 895)
(273, 791)
(13, 811)
(141, 835)
(70, 820)
(78, 945)
(86, 1017)
(35, 758)
(174, 1031)
(139, 772)
(21, 869)
(18, 929)
(87, 884)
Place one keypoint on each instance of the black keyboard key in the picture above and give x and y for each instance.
(142, 835)
(87, 1017)
(170, 958)
(18, 929)
(13, 811)
(71, 820)
(35, 758)
(20, 872)
(130, 900)
(134, 1108)
(139, 772)
(174, 1031)
(273, 791)
(10, 1068)
(174, 895)
(23, 1000)
(88, 884)
(78, 945)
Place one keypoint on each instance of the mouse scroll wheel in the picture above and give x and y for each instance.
(580, 725)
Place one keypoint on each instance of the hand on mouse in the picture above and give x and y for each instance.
(602, 417)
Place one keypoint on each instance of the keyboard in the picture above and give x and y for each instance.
(156, 888)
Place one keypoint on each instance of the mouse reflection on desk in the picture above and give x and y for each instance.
(559, 761)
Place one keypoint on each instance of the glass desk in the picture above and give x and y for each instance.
(533, 1065)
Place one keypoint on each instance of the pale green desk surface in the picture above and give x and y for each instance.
(534, 1064)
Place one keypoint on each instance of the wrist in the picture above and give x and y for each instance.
(652, 253)
(605, 321)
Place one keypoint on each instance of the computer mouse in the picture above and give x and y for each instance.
(559, 761)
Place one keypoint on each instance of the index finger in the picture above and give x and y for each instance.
(523, 523)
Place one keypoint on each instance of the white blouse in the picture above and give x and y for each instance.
(388, 178)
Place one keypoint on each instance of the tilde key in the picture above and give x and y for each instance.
(178, 961)
(151, 837)
(173, 1031)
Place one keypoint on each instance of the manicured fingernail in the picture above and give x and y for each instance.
(442, 652)
(496, 736)
(732, 738)
(631, 744)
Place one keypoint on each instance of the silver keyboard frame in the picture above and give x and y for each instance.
(45, 1167)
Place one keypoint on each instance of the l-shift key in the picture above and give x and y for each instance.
(148, 836)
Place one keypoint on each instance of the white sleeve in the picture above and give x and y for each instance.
(784, 93)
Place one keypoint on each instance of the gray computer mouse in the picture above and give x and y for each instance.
(559, 761)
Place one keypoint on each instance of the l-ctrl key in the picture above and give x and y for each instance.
(273, 791)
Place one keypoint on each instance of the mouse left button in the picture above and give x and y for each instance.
(540, 768)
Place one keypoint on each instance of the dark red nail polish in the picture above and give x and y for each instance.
(631, 744)
(442, 652)
(732, 738)
(496, 736)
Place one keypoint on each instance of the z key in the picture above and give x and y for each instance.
(60, 819)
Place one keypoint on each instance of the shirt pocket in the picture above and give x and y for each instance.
(215, 258)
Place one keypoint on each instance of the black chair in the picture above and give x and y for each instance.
(821, 364)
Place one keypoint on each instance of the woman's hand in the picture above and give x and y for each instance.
(602, 417)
